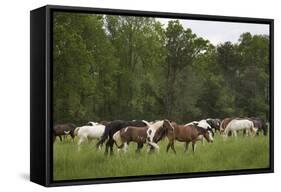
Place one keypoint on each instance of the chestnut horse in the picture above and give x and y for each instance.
(187, 134)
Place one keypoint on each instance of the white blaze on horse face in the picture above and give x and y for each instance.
(211, 136)
(126, 129)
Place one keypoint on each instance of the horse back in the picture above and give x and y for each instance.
(132, 133)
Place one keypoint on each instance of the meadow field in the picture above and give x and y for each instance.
(89, 162)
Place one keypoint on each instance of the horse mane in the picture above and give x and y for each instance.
(170, 123)
(200, 129)
(156, 125)
(147, 123)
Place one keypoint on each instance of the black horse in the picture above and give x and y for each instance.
(112, 128)
(214, 123)
(260, 124)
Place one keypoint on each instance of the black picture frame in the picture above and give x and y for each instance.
(41, 94)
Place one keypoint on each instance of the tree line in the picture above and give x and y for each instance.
(109, 67)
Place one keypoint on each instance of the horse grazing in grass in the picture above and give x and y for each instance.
(60, 130)
(112, 128)
(188, 133)
(150, 134)
(89, 132)
(240, 124)
(260, 124)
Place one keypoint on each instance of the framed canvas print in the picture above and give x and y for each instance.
(125, 95)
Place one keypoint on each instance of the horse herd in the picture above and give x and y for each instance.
(121, 133)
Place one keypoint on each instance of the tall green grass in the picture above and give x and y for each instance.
(231, 154)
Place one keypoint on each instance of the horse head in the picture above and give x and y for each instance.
(165, 130)
(207, 133)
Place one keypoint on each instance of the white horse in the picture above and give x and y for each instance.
(240, 124)
(89, 132)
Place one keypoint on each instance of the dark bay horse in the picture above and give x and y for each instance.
(260, 124)
(150, 135)
(60, 130)
(112, 128)
(187, 134)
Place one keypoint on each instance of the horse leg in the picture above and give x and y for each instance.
(111, 143)
(247, 132)
(72, 138)
(151, 148)
(193, 146)
(106, 147)
(173, 147)
(81, 140)
(140, 145)
(234, 134)
(155, 146)
(99, 143)
(90, 140)
(125, 147)
(168, 147)
(186, 147)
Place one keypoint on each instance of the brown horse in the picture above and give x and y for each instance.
(60, 130)
(224, 123)
(187, 134)
(142, 135)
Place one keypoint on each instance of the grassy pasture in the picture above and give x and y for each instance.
(232, 154)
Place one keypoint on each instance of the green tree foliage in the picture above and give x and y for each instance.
(121, 67)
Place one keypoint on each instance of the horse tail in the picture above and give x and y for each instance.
(117, 139)
(146, 122)
(76, 131)
(104, 136)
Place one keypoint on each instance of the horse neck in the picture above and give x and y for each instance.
(200, 130)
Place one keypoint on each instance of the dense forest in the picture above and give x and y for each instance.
(121, 67)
